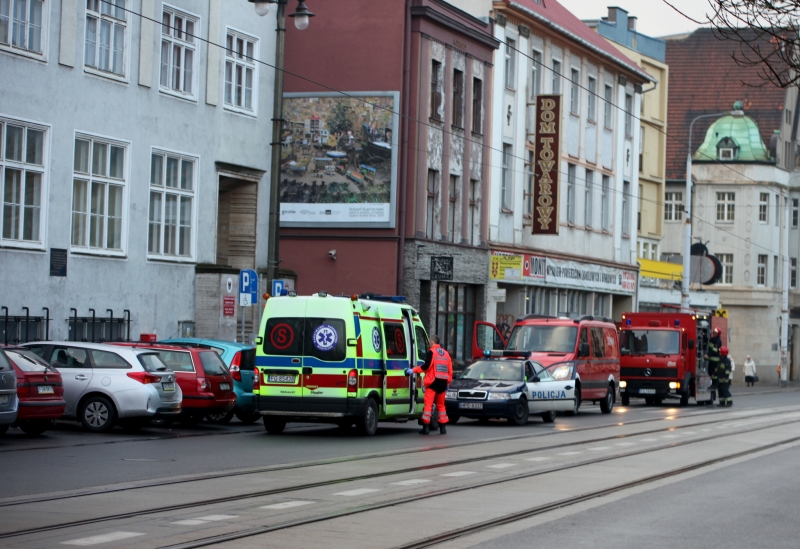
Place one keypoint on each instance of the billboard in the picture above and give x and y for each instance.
(547, 164)
(339, 158)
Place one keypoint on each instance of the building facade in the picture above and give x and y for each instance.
(123, 155)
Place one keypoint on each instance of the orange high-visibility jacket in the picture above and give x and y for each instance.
(441, 367)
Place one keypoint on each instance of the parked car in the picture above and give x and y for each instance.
(8, 393)
(240, 360)
(205, 381)
(107, 384)
(40, 391)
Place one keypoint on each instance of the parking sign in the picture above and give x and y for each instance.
(278, 285)
(248, 287)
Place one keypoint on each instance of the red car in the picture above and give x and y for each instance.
(40, 391)
(204, 379)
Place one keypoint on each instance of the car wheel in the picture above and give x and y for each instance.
(607, 404)
(453, 418)
(274, 425)
(161, 422)
(548, 417)
(574, 411)
(35, 427)
(248, 418)
(521, 413)
(625, 399)
(190, 420)
(98, 414)
(220, 418)
(368, 425)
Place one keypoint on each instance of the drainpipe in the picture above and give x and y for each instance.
(785, 292)
(403, 171)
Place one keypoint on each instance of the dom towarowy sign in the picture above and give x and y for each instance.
(547, 164)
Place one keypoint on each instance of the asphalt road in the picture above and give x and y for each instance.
(68, 458)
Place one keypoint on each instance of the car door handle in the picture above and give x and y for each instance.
(568, 387)
(81, 377)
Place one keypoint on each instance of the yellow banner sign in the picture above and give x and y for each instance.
(505, 267)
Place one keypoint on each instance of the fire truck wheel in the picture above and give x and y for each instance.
(521, 413)
(368, 425)
(274, 425)
(607, 404)
(626, 400)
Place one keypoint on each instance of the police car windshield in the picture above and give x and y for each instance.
(650, 342)
(543, 339)
(494, 370)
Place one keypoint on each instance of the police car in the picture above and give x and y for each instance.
(507, 385)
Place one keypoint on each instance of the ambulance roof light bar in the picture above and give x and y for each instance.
(379, 297)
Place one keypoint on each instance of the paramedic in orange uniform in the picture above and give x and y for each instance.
(438, 370)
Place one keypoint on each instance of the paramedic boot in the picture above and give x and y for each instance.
(426, 429)
(730, 403)
(721, 404)
(442, 428)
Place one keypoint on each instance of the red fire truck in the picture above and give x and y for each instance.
(663, 356)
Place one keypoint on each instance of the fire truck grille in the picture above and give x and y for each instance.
(649, 372)
(474, 395)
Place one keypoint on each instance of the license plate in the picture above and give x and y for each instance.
(647, 391)
(45, 389)
(3, 399)
(168, 386)
(224, 386)
(471, 405)
(281, 379)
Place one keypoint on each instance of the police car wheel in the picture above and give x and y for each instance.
(548, 417)
(607, 404)
(274, 425)
(521, 413)
(368, 425)
(453, 418)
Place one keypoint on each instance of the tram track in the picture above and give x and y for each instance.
(466, 461)
(10, 502)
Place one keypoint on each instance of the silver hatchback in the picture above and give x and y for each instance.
(106, 384)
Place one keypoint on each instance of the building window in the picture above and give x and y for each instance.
(778, 209)
(436, 89)
(795, 212)
(529, 167)
(455, 316)
(639, 209)
(452, 208)
(556, 76)
(654, 252)
(571, 193)
(575, 92)
(727, 267)
(761, 275)
(673, 206)
(511, 63)
(506, 183)
(604, 203)
(608, 105)
(172, 193)
(774, 271)
(763, 207)
(626, 208)
(645, 250)
(178, 53)
(458, 99)
(591, 106)
(477, 106)
(21, 24)
(726, 207)
(98, 194)
(22, 170)
(106, 23)
(536, 73)
(473, 210)
(588, 202)
(641, 149)
(241, 72)
(793, 273)
(726, 153)
(628, 115)
(430, 204)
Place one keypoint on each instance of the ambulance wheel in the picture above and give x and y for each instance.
(625, 399)
(521, 412)
(548, 417)
(453, 418)
(274, 425)
(368, 424)
(607, 404)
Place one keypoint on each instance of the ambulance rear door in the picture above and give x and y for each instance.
(280, 359)
(325, 360)
(397, 337)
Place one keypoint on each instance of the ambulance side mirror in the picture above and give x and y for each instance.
(259, 340)
(351, 342)
(691, 343)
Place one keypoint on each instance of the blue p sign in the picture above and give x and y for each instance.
(278, 286)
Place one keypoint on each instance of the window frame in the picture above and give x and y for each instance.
(572, 171)
(164, 190)
(537, 64)
(430, 203)
(591, 103)
(89, 177)
(575, 92)
(626, 209)
(761, 269)
(437, 70)
(44, 33)
(93, 70)
(230, 107)
(452, 208)
(197, 20)
(608, 106)
(726, 206)
(44, 191)
(795, 212)
(507, 178)
(459, 95)
(673, 206)
(588, 198)
(510, 63)
(477, 106)
(727, 268)
(793, 272)
(556, 67)
(473, 214)
(628, 115)
(763, 208)
(605, 203)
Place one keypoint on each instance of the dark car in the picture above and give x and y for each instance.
(8, 393)
(507, 388)
(40, 390)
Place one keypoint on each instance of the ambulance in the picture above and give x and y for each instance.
(341, 360)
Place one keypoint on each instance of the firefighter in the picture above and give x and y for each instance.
(438, 369)
(723, 374)
(714, 345)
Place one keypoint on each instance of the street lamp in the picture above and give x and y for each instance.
(301, 17)
(687, 247)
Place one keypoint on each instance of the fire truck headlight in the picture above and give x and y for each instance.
(623, 384)
(674, 385)
(452, 395)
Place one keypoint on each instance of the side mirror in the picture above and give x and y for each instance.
(584, 350)
(691, 343)
(259, 340)
(624, 352)
(536, 379)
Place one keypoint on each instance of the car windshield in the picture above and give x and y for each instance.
(28, 362)
(494, 370)
(151, 362)
(4, 364)
(212, 364)
(543, 339)
(650, 342)
(177, 361)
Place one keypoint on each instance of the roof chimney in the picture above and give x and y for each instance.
(616, 15)
(631, 23)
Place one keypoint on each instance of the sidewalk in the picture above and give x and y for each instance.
(762, 388)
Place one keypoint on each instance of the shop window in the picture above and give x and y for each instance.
(455, 317)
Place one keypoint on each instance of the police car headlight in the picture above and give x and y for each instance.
(452, 395)
(499, 396)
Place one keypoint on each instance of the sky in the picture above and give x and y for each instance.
(655, 17)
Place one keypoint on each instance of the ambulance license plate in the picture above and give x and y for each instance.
(647, 391)
(471, 405)
(45, 389)
(281, 379)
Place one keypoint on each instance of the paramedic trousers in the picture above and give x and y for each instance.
(430, 396)
(725, 392)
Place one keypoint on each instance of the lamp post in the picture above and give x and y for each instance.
(301, 17)
(687, 242)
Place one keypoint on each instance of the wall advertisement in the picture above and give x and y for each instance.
(557, 273)
(339, 158)
(546, 164)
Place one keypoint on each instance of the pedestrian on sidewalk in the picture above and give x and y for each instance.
(749, 372)
(438, 370)
(724, 379)
(778, 372)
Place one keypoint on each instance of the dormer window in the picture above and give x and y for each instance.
(726, 154)
(727, 149)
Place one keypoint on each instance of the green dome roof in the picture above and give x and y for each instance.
(740, 138)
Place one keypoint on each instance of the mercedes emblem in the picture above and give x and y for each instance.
(648, 372)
